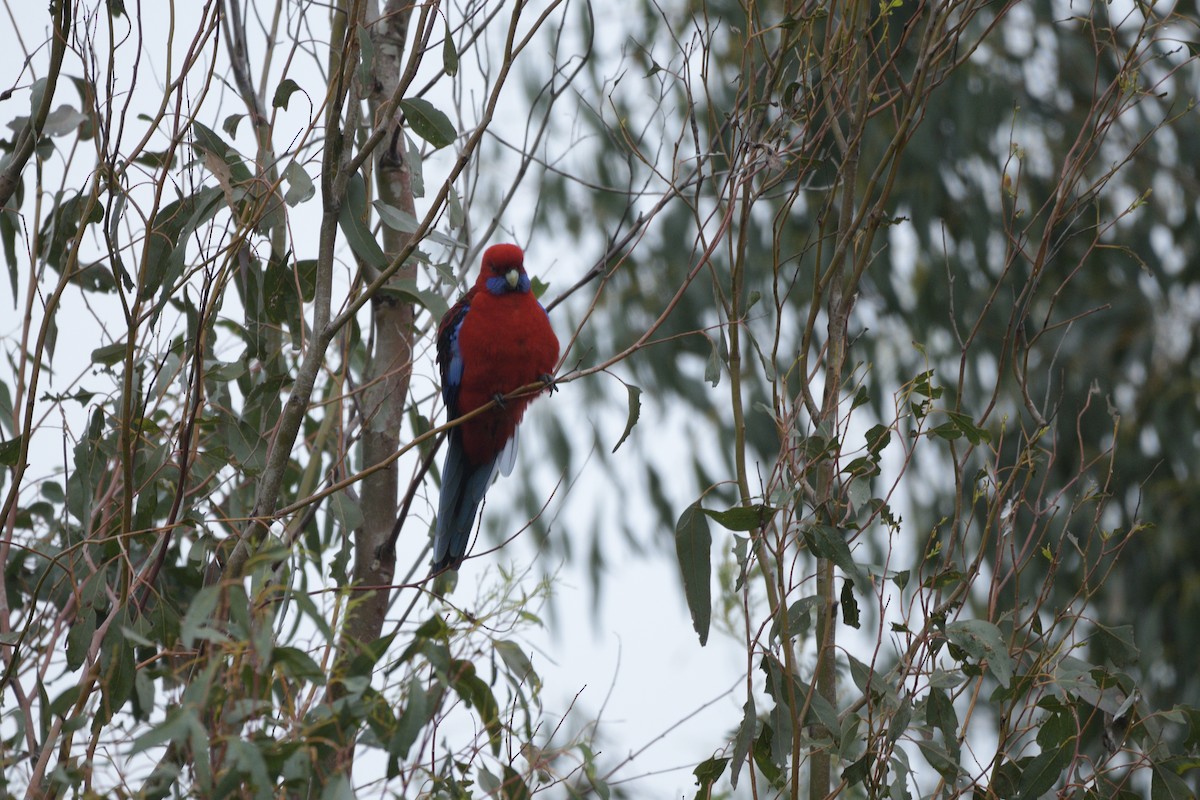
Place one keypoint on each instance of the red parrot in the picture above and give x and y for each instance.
(494, 340)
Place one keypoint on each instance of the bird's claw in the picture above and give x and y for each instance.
(548, 379)
(498, 397)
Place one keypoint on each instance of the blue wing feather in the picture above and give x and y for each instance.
(449, 357)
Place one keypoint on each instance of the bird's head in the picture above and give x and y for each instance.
(504, 270)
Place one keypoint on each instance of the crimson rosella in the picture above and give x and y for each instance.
(494, 340)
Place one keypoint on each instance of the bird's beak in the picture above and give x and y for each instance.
(513, 276)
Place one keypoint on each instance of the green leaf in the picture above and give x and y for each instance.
(177, 725)
(1166, 784)
(1055, 730)
(454, 210)
(352, 221)
(514, 787)
(428, 122)
(79, 637)
(799, 617)
(898, 724)
(850, 614)
(1117, 644)
(790, 700)
(900, 770)
(487, 781)
(763, 756)
(366, 63)
(827, 542)
(118, 668)
(283, 92)
(10, 452)
(693, 547)
(53, 491)
(449, 53)
(478, 695)
(300, 186)
(84, 480)
(408, 292)
(743, 739)
(195, 622)
(297, 664)
(635, 411)
(62, 121)
(878, 438)
(64, 702)
(1042, 772)
(166, 248)
(858, 771)
(923, 385)
(966, 425)
(109, 354)
(37, 94)
(519, 665)
(346, 511)
(230, 125)
(418, 712)
(743, 518)
(712, 368)
(940, 714)
(395, 218)
(983, 641)
(208, 143)
(400, 220)
(707, 773)
(9, 225)
(939, 759)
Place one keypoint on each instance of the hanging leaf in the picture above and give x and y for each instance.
(850, 614)
(693, 547)
(1043, 771)
(449, 53)
(827, 542)
(366, 62)
(635, 411)
(300, 186)
(352, 221)
(428, 122)
(741, 742)
(743, 518)
(10, 452)
(983, 641)
(707, 773)
(62, 121)
(283, 93)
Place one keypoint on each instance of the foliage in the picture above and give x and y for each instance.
(208, 381)
(889, 291)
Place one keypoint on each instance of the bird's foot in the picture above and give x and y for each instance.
(548, 379)
(499, 398)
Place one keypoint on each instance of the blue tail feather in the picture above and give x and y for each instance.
(463, 488)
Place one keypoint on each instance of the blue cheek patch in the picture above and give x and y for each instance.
(497, 285)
